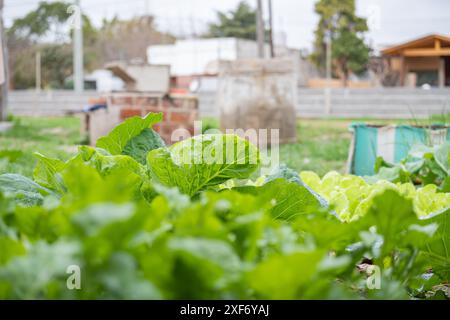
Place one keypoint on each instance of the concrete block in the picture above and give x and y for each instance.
(259, 94)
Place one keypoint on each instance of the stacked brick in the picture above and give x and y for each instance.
(179, 111)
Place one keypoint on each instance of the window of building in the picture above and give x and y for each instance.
(430, 77)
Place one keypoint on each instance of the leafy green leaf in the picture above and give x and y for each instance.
(10, 248)
(116, 141)
(288, 199)
(121, 280)
(282, 277)
(442, 156)
(437, 249)
(391, 214)
(292, 176)
(48, 172)
(106, 163)
(203, 161)
(24, 191)
(97, 216)
(138, 146)
(217, 252)
(28, 276)
(86, 186)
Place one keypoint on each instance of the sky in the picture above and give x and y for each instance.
(390, 21)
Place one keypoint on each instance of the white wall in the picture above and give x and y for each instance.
(191, 57)
(150, 77)
(249, 49)
(105, 80)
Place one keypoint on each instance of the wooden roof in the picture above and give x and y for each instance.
(119, 70)
(428, 46)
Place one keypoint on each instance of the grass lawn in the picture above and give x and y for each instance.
(322, 144)
(54, 137)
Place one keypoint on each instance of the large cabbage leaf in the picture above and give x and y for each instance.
(203, 161)
(133, 137)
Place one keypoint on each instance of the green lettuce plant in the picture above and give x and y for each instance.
(142, 220)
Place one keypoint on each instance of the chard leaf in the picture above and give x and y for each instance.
(203, 161)
(116, 141)
(86, 186)
(97, 216)
(203, 266)
(122, 280)
(442, 156)
(106, 163)
(292, 176)
(288, 199)
(282, 277)
(215, 251)
(48, 172)
(392, 214)
(29, 276)
(437, 249)
(9, 248)
(23, 190)
(140, 145)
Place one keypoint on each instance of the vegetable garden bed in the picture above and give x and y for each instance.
(141, 222)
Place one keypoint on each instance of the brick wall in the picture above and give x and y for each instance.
(179, 111)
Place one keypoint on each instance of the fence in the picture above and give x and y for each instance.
(388, 103)
(393, 103)
(47, 103)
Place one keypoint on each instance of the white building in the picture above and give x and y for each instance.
(142, 77)
(104, 81)
(200, 56)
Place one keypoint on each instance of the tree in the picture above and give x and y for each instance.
(239, 23)
(44, 29)
(49, 17)
(350, 54)
(57, 65)
(127, 39)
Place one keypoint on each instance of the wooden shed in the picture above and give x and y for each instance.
(422, 61)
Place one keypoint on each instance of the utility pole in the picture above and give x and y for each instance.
(272, 49)
(328, 73)
(3, 68)
(38, 71)
(78, 65)
(331, 26)
(260, 29)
